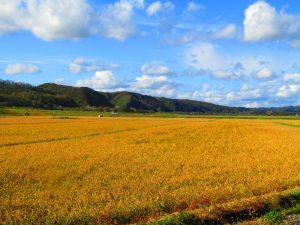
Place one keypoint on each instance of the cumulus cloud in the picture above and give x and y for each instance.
(144, 84)
(252, 105)
(192, 6)
(158, 6)
(204, 56)
(263, 22)
(210, 59)
(47, 19)
(146, 81)
(245, 96)
(116, 20)
(226, 32)
(265, 73)
(68, 19)
(102, 80)
(81, 65)
(288, 90)
(231, 73)
(246, 93)
(155, 69)
(154, 8)
(153, 85)
(206, 96)
(17, 68)
(206, 59)
(295, 77)
(166, 90)
(252, 95)
(58, 19)
(59, 80)
(10, 16)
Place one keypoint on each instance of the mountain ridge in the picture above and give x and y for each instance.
(56, 96)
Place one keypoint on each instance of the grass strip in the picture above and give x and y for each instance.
(288, 124)
(270, 208)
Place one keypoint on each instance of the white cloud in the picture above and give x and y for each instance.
(102, 80)
(288, 90)
(292, 77)
(206, 96)
(68, 19)
(192, 6)
(205, 56)
(154, 8)
(206, 59)
(252, 105)
(157, 6)
(80, 65)
(18, 68)
(165, 90)
(116, 20)
(210, 59)
(155, 69)
(245, 95)
(139, 4)
(231, 73)
(267, 93)
(227, 32)
(58, 19)
(10, 14)
(263, 22)
(59, 80)
(153, 85)
(253, 64)
(145, 82)
(265, 73)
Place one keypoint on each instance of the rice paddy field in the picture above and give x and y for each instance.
(88, 170)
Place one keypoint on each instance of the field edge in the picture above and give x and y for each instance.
(284, 203)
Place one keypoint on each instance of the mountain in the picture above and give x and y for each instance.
(128, 101)
(54, 96)
(82, 96)
(26, 95)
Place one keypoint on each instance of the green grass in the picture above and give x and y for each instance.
(16, 111)
(273, 218)
(44, 112)
(181, 219)
(290, 125)
(296, 205)
(273, 212)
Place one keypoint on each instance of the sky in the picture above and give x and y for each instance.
(235, 53)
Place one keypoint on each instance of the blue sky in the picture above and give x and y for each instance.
(237, 53)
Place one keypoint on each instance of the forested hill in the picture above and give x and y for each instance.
(54, 96)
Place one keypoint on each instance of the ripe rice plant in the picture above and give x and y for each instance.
(124, 170)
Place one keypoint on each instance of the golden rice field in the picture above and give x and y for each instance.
(121, 170)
